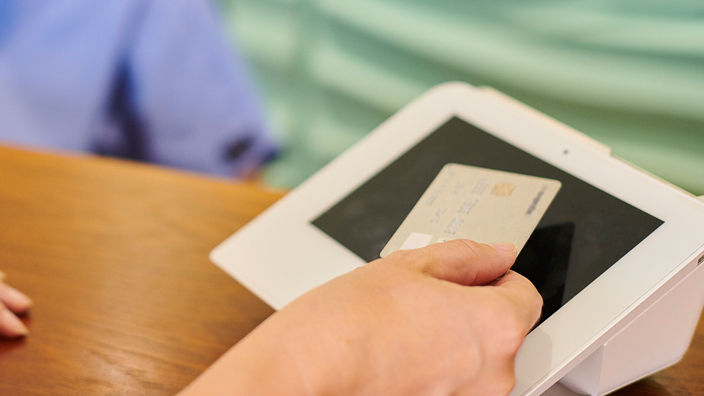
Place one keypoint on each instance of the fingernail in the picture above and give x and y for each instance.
(506, 247)
(18, 298)
(12, 324)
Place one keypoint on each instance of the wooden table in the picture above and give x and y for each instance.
(115, 255)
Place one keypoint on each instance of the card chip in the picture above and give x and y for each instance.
(502, 189)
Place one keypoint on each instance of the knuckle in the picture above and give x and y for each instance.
(513, 330)
(505, 384)
(507, 330)
(468, 247)
(457, 252)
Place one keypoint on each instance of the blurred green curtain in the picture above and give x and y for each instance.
(628, 73)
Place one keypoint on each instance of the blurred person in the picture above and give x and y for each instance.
(147, 80)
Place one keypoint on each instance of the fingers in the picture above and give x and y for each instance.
(523, 295)
(460, 261)
(10, 324)
(471, 263)
(13, 299)
(12, 302)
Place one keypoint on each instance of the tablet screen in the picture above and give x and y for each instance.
(583, 233)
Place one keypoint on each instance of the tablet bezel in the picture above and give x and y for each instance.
(281, 255)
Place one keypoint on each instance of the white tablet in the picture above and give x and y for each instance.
(612, 238)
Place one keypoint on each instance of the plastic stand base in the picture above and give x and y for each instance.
(656, 339)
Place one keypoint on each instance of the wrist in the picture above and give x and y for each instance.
(254, 366)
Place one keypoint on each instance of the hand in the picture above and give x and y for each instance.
(430, 321)
(12, 302)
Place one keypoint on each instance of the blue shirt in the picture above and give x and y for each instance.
(151, 80)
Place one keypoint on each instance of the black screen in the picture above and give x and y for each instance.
(583, 233)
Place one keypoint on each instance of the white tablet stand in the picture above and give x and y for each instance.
(654, 340)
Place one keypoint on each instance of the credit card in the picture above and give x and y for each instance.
(484, 205)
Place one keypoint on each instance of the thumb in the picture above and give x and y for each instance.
(460, 261)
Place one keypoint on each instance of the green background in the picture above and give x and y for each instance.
(630, 74)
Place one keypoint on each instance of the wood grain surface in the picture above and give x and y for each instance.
(115, 256)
